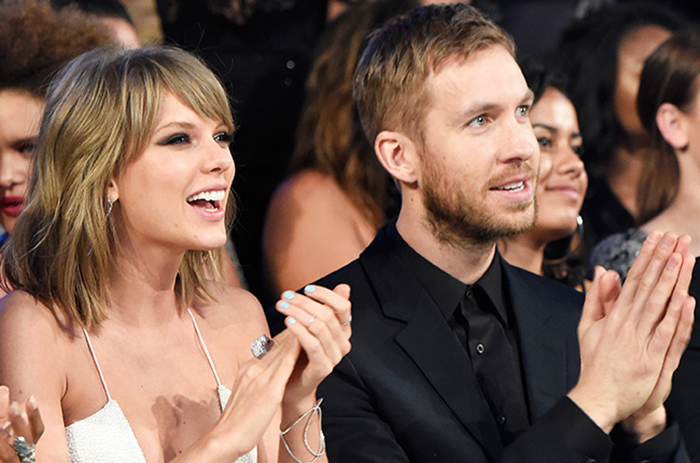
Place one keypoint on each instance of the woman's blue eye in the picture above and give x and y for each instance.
(179, 139)
(27, 148)
(224, 137)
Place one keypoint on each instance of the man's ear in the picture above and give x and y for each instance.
(398, 154)
(673, 125)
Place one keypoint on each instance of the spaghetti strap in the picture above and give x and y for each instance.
(206, 351)
(97, 364)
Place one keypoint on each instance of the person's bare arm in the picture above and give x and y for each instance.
(31, 365)
(311, 229)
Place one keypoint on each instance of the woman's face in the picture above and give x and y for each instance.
(173, 195)
(634, 49)
(20, 117)
(563, 180)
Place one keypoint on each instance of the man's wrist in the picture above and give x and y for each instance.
(598, 410)
(647, 426)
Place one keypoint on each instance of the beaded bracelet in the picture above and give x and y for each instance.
(316, 409)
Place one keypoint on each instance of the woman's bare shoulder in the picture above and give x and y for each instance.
(310, 188)
(34, 346)
(22, 313)
(232, 307)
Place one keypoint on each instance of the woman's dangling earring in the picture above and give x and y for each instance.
(110, 205)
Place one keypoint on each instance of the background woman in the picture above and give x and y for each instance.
(601, 57)
(35, 42)
(338, 196)
(561, 188)
(138, 352)
(669, 107)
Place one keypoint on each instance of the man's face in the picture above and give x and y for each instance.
(480, 158)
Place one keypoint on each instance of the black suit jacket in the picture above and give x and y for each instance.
(406, 392)
(684, 401)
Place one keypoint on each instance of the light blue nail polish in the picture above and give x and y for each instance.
(288, 294)
(284, 305)
(310, 289)
(291, 320)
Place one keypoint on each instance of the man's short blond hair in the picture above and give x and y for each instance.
(389, 83)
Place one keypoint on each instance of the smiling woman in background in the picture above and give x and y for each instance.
(546, 248)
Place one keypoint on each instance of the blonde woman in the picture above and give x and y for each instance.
(118, 326)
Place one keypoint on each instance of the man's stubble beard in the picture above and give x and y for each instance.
(459, 221)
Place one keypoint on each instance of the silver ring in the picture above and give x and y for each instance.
(311, 320)
(24, 451)
(347, 322)
(261, 346)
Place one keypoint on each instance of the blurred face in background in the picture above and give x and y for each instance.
(123, 33)
(20, 116)
(634, 49)
(563, 179)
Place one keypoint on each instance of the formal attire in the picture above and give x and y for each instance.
(684, 401)
(106, 436)
(413, 389)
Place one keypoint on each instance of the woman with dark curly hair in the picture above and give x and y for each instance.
(36, 41)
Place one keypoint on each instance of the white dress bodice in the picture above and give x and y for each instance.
(106, 436)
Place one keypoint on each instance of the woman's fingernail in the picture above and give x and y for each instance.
(32, 403)
(291, 320)
(310, 288)
(284, 305)
(288, 294)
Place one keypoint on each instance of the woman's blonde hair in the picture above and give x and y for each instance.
(100, 113)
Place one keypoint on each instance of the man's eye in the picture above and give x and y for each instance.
(523, 110)
(478, 121)
(578, 150)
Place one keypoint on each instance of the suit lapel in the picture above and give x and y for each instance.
(430, 343)
(543, 347)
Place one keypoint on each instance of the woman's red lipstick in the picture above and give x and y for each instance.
(12, 205)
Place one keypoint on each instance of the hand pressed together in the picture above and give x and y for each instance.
(632, 337)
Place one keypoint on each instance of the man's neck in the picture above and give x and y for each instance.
(466, 262)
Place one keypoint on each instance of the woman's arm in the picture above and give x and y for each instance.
(284, 379)
(32, 365)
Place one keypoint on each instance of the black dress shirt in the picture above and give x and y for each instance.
(489, 301)
(481, 317)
